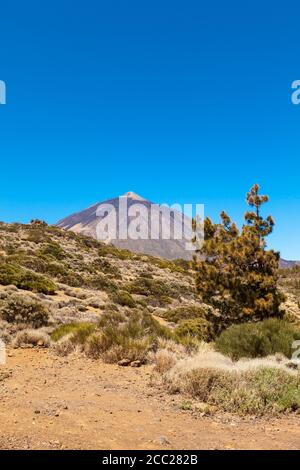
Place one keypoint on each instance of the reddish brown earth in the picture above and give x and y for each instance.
(50, 402)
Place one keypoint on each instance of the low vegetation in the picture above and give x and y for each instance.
(24, 310)
(25, 279)
(198, 328)
(123, 298)
(116, 337)
(256, 392)
(254, 386)
(258, 339)
(78, 332)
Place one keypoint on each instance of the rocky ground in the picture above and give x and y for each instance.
(49, 402)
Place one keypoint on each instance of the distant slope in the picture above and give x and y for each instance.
(286, 264)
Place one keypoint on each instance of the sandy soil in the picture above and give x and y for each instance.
(76, 403)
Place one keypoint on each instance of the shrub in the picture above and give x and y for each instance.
(97, 344)
(190, 343)
(258, 339)
(141, 323)
(123, 298)
(126, 338)
(36, 283)
(72, 279)
(176, 266)
(54, 250)
(101, 282)
(148, 287)
(111, 317)
(185, 312)
(20, 309)
(24, 279)
(56, 269)
(78, 332)
(106, 267)
(31, 262)
(82, 332)
(132, 350)
(36, 235)
(32, 337)
(258, 391)
(116, 336)
(113, 347)
(196, 327)
(164, 360)
(10, 274)
(63, 347)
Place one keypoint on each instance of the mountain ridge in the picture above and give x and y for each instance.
(86, 221)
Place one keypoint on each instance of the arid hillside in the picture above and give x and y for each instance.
(79, 277)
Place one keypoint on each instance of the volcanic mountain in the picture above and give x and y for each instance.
(166, 234)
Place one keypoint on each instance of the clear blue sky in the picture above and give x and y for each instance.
(179, 101)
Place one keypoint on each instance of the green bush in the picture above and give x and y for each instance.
(103, 265)
(114, 348)
(97, 344)
(72, 279)
(101, 282)
(10, 274)
(36, 283)
(82, 332)
(20, 309)
(56, 269)
(25, 279)
(198, 328)
(185, 312)
(79, 331)
(54, 250)
(116, 336)
(150, 287)
(123, 298)
(258, 339)
(35, 263)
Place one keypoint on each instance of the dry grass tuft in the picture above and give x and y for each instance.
(32, 337)
(63, 347)
(252, 386)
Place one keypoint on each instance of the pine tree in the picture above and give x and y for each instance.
(235, 273)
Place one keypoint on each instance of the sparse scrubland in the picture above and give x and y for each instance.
(218, 331)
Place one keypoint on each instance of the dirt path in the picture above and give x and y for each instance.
(76, 403)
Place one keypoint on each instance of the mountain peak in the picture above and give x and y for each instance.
(132, 195)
